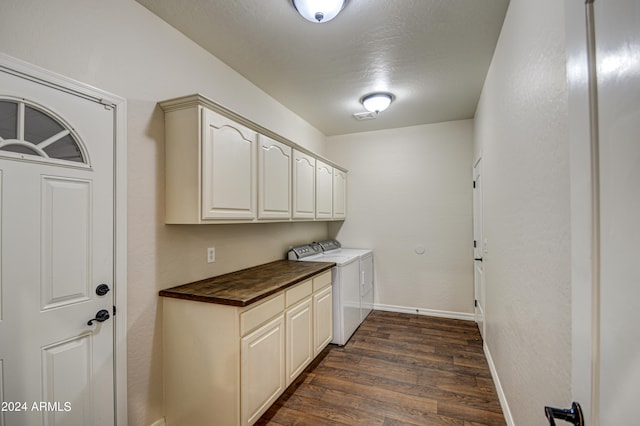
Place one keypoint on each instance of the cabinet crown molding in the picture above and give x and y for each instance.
(197, 99)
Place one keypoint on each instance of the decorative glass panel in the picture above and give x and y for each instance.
(30, 125)
(39, 127)
(65, 149)
(8, 120)
(20, 149)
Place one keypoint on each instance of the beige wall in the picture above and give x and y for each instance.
(120, 47)
(521, 131)
(411, 187)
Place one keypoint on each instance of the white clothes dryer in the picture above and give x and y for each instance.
(352, 279)
(365, 259)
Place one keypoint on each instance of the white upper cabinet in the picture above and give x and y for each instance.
(304, 186)
(324, 190)
(228, 169)
(210, 166)
(222, 168)
(339, 194)
(274, 179)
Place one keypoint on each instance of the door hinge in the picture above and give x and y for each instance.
(474, 184)
(114, 310)
(475, 303)
(475, 244)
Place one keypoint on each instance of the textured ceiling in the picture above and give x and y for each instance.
(433, 55)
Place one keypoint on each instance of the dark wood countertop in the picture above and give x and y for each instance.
(242, 288)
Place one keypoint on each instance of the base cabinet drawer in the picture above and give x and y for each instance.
(262, 369)
(320, 281)
(252, 318)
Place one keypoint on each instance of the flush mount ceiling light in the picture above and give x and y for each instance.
(376, 102)
(319, 11)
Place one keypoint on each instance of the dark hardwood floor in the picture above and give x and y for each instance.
(397, 369)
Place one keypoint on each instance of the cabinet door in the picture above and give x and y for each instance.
(322, 319)
(228, 169)
(304, 186)
(339, 194)
(299, 325)
(324, 192)
(274, 179)
(262, 369)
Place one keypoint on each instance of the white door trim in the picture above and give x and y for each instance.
(581, 204)
(478, 209)
(31, 72)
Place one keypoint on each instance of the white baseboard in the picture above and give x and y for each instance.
(422, 311)
(496, 381)
(159, 422)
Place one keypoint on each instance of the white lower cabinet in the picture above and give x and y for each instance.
(262, 369)
(323, 314)
(227, 365)
(299, 325)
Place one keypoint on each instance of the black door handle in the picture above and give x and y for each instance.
(478, 258)
(572, 415)
(101, 316)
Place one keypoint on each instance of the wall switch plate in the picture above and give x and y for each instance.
(211, 254)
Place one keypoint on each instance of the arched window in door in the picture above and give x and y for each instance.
(27, 129)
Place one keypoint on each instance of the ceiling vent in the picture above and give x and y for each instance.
(365, 116)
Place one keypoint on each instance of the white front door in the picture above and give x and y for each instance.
(604, 110)
(57, 247)
(478, 270)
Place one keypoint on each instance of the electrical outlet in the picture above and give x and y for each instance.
(211, 254)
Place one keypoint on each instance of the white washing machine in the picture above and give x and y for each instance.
(365, 259)
(352, 286)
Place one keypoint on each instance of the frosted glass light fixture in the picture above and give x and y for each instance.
(376, 102)
(319, 11)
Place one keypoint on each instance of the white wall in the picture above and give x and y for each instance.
(411, 187)
(522, 132)
(120, 47)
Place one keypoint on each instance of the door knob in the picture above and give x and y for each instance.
(572, 415)
(101, 316)
(102, 289)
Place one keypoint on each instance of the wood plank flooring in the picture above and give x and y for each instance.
(397, 369)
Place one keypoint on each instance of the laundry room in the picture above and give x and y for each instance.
(466, 193)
